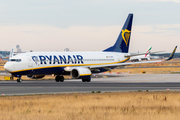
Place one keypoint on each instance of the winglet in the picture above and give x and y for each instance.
(172, 54)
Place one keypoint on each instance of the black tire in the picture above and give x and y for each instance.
(61, 79)
(19, 80)
(57, 78)
(84, 80)
(89, 79)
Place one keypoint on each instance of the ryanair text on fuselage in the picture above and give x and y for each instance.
(58, 59)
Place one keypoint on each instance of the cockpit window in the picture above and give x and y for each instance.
(15, 60)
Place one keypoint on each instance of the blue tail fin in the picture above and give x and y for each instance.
(122, 43)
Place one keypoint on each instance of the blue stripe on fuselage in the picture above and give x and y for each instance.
(49, 71)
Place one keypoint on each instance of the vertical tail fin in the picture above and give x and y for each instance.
(122, 43)
(148, 51)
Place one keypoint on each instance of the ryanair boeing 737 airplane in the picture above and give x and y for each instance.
(79, 65)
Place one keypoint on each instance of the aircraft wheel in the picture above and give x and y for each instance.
(83, 80)
(57, 78)
(61, 79)
(19, 80)
(86, 79)
(89, 79)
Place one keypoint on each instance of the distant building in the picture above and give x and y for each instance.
(66, 49)
(18, 48)
(4, 55)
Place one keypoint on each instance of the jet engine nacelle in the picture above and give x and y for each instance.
(80, 72)
(35, 76)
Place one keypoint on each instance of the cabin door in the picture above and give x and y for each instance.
(30, 62)
(118, 57)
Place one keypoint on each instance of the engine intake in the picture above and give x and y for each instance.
(80, 72)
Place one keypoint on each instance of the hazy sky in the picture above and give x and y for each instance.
(88, 25)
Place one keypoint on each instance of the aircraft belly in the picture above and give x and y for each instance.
(42, 71)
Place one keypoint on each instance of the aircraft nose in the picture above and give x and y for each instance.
(7, 67)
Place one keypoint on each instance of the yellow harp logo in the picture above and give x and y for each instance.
(126, 35)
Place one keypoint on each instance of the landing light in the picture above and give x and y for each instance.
(67, 68)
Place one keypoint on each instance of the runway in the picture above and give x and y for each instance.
(151, 82)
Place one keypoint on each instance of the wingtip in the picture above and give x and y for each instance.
(172, 54)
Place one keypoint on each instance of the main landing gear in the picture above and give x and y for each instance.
(59, 78)
(86, 79)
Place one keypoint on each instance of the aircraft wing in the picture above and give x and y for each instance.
(130, 63)
(108, 66)
(123, 64)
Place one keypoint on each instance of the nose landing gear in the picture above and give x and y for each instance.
(19, 80)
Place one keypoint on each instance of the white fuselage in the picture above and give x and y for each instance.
(42, 62)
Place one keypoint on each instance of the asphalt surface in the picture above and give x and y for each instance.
(151, 82)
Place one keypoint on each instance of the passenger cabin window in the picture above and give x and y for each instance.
(15, 60)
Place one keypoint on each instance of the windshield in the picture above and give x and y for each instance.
(15, 60)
